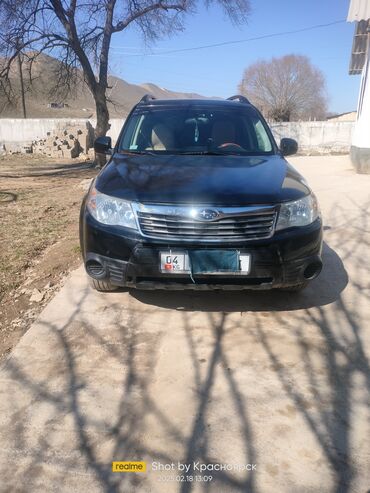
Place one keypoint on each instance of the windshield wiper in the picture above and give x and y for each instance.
(186, 153)
(124, 151)
(208, 153)
(200, 153)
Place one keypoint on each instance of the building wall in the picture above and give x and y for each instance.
(312, 137)
(361, 135)
(360, 148)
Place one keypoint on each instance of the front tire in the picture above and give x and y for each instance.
(102, 286)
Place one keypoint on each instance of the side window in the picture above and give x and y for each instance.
(136, 134)
(130, 137)
(264, 144)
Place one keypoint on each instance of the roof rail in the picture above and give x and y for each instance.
(239, 98)
(146, 98)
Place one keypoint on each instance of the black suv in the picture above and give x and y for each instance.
(197, 194)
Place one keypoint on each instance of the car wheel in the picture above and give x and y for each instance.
(295, 287)
(102, 286)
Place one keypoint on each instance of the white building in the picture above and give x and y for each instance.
(359, 12)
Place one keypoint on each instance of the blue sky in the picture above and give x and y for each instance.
(217, 71)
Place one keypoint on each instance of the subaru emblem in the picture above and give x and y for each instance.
(207, 214)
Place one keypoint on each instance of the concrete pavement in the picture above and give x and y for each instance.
(275, 381)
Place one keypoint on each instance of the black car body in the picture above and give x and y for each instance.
(196, 194)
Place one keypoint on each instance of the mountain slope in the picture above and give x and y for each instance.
(80, 102)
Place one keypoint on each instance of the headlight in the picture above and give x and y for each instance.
(298, 213)
(110, 210)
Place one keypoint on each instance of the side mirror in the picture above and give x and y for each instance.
(288, 147)
(103, 145)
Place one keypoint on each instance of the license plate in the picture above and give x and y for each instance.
(177, 262)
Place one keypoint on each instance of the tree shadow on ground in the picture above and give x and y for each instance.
(124, 363)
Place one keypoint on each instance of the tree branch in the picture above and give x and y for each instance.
(68, 22)
(120, 26)
(107, 36)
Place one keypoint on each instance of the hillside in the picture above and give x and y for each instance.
(80, 103)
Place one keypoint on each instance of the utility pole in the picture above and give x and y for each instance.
(22, 85)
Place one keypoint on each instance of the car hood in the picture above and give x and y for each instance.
(216, 180)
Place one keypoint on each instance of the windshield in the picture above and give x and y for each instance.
(192, 130)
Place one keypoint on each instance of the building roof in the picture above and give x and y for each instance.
(359, 10)
(341, 115)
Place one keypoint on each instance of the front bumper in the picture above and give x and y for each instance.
(127, 259)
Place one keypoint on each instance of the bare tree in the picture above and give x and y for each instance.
(79, 33)
(287, 88)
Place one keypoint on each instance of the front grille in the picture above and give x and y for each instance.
(258, 224)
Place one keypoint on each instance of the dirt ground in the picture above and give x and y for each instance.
(39, 206)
